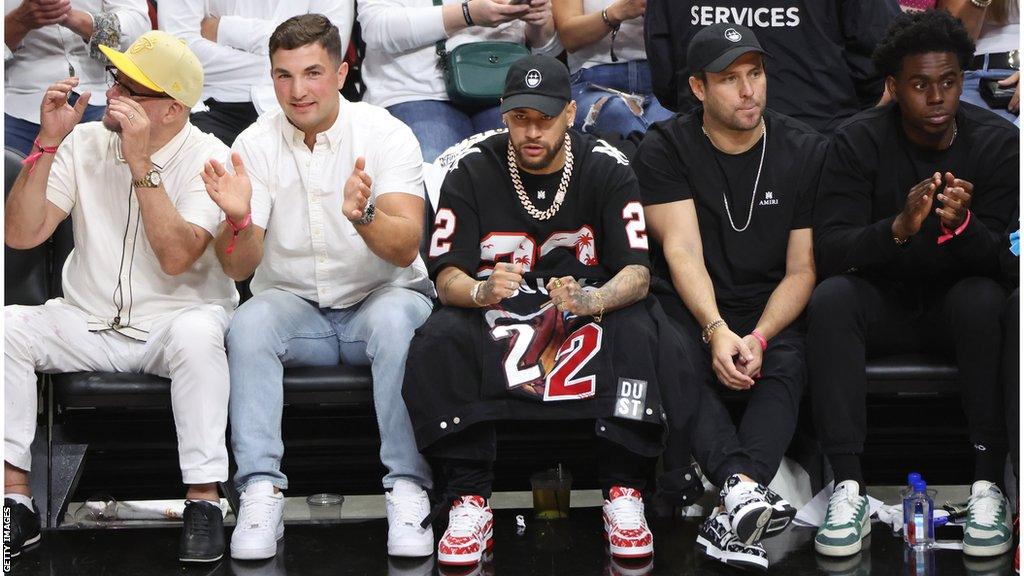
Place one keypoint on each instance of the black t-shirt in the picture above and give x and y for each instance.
(677, 162)
(819, 65)
(480, 220)
(870, 168)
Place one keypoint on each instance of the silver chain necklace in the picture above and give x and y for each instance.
(753, 195)
(563, 185)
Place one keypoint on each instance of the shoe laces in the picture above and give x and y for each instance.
(257, 509)
(466, 519)
(626, 512)
(983, 509)
(842, 506)
(408, 508)
(197, 522)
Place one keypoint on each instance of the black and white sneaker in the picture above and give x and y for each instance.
(24, 527)
(755, 512)
(717, 539)
(202, 536)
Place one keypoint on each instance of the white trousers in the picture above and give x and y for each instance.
(187, 347)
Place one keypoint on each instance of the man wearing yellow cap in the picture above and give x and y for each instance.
(142, 291)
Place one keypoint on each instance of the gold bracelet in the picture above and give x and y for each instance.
(474, 293)
(708, 331)
(600, 298)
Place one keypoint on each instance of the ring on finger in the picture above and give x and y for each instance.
(511, 285)
(558, 282)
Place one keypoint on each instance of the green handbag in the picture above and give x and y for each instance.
(474, 73)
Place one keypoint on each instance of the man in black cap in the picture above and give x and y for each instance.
(729, 191)
(539, 252)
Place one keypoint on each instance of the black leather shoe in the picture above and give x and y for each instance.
(202, 536)
(24, 526)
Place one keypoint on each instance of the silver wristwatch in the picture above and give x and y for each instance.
(368, 213)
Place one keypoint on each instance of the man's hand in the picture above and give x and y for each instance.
(917, 207)
(503, 282)
(539, 14)
(56, 117)
(1012, 80)
(208, 28)
(728, 350)
(357, 191)
(751, 368)
(626, 10)
(34, 14)
(567, 294)
(956, 201)
(232, 192)
(489, 13)
(134, 132)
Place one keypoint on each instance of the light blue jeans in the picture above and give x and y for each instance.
(440, 124)
(615, 115)
(276, 329)
(972, 94)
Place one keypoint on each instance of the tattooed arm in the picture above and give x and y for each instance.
(456, 288)
(627, 287)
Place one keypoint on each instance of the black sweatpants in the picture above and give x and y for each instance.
(851, 318)
(225, 120)
(769, 418)
(465, 460)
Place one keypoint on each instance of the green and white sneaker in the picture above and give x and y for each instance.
(847, 522)
(989, 529)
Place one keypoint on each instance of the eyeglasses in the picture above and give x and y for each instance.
(114, 79)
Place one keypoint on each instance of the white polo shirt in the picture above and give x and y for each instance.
(310, 249)
(113, 273)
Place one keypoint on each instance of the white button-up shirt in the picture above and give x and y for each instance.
(113, 273)
(42, 58)
(237, 65)
(310, 249)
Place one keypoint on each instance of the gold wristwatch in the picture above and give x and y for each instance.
(152, 179)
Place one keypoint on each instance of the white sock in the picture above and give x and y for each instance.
(21, 499)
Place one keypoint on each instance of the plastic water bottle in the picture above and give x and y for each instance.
(905, 494)
(920, 524)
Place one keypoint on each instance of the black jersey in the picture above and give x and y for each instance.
(522, 359)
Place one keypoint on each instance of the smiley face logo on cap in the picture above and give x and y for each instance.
(732, 35)
(533, 78)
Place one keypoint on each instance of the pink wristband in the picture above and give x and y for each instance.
(236, 228)
(34, 157)
(761, 339)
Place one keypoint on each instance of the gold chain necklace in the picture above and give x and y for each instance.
(563, 185)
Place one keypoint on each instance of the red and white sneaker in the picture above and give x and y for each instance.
(625, 526)
(470, 532)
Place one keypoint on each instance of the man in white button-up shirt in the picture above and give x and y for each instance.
(325, 204)
(142, 288)
(231, 39)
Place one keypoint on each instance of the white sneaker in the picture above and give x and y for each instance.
(625, 526)
(260, 523)
(989, 529)
(407, 506)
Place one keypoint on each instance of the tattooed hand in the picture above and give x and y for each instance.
(567, 294)
(503, 282)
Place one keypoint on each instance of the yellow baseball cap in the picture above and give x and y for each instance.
(163, 63)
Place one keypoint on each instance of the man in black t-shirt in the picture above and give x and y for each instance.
(540, 255)
(911, 217)
(729, 191)
(820, 51)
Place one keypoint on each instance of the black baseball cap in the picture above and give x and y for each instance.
(717, 46)
(539, 82)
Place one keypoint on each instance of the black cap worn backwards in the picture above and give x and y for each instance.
(717, 46)
(538, 82)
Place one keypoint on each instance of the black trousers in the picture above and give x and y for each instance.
(225, 120)
(850, 319)
(772, 405)
(1011, 376)
(464, 463)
